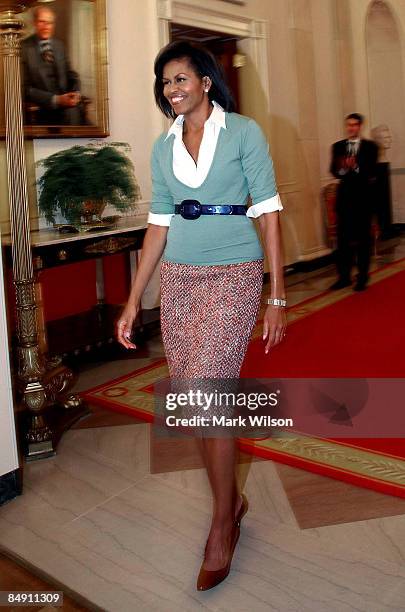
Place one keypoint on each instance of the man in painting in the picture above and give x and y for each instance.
(49, 82)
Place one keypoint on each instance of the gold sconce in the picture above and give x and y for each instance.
(238, 60)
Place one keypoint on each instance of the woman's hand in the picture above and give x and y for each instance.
(274, 325)
(125, 323)
(153, 246)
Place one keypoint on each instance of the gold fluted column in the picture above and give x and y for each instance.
(37, 385)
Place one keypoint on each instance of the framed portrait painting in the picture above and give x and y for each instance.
(64, 70)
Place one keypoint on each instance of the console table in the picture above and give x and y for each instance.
(82, 333)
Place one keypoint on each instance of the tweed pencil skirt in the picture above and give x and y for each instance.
(207, 316)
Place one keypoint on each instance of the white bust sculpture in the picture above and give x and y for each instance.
(382, 136)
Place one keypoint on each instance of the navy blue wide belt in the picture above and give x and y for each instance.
(192, 209)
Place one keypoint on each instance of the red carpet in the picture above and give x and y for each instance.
(363, 335)
(334, 335)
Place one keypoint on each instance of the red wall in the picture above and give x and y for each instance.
(71, 289)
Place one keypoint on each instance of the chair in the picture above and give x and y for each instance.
(31, 111)
(329, 199)
(329, 194)
(376, 233)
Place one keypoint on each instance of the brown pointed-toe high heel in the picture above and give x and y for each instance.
(207, 579)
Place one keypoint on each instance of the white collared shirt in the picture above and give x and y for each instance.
(192, 174)
(356, 144)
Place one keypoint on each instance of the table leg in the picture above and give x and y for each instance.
(42, 334)
(100, 289)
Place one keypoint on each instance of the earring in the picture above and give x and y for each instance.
(206, 90)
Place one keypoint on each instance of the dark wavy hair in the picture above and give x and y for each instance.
(203, 62)
(356, 117)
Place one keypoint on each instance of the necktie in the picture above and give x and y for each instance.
(47, 53)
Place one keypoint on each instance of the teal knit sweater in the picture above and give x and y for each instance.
(242, 165)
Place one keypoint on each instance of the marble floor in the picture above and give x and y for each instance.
(15, 577)
(122, 536)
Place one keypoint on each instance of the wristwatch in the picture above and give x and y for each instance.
(276, 302)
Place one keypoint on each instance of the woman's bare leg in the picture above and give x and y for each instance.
(219, 456)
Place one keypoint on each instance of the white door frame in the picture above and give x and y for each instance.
(253, 31)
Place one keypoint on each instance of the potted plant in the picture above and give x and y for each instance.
(79, 182)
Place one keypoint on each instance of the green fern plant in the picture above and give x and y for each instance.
(98, 171)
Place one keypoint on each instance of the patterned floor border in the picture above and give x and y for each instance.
(133, 394)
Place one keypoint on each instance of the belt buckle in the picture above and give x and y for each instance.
(190, 209)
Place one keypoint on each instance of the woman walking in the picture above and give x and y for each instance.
(211, 277)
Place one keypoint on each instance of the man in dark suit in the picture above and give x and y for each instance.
(354, 162)
(49, 81)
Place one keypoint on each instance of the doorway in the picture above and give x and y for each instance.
(223, 46)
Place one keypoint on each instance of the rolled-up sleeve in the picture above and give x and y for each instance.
(269, 205)
(258, 168)
(162, 204)
(156, 219)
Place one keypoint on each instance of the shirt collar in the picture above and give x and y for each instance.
(217, 117)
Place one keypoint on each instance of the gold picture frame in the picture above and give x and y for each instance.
(64, 78)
